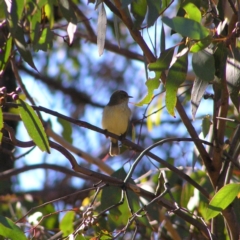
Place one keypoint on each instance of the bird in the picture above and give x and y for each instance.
(116, 118)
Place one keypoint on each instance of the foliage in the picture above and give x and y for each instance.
(77, 53)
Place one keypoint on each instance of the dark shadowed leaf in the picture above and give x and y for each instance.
(198, 89)
(1, 124)
(154, 8)
(13, 9)
(206, 123)
(67, 129)
(162, 37)
(67, 11)
(187, 27)
(125, 3)
(22, 48)
(233, 76)
(204, 65)
(33, 125)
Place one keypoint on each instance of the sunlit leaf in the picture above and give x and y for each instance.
(152, 84)
(176, 76)
(233, 76)
(35, 22)
(66, 224)
(33, 125)
(222, 199)
(9, 230)
(204, 65)
(45, 41)
(192, 11)
(187, 27)
(198, 89)
(5, 54)
(49, 12)
(101, 29)
(201, 44)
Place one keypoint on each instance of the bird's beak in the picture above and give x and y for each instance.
(130, 97)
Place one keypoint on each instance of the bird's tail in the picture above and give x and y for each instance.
(114, 149)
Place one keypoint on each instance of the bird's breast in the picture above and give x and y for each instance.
(116, 118)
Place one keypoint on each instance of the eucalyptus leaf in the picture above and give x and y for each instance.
(187, 27)
(33, 125)
(198, 89)
(101, 29)
(233, 76)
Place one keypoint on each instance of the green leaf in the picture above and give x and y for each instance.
(154, 8)
(45, 41)
(233, 76)
(204, 65)
(67, 11)
(49, 12)
(110, 194)
(67, 129)
(192, 11)
(187, 27)
(163, 61)
(66, 224)
(5, 54)
(33, 125)
(1, 124)
(22, 48)
(14, 9)
(176, 76)
(152, 84)
(101, 29)
(163, 39)
(9, 230)
(222, 199)
(116, 28)
(160, 65)
(206, 123)
(139, 10)
(35, 24)
(198, 89)
(201, 44)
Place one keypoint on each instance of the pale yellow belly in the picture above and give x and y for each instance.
(116, 119)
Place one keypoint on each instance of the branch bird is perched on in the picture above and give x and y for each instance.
(116, 116)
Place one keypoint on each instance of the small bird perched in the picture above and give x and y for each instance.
(116, 116)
